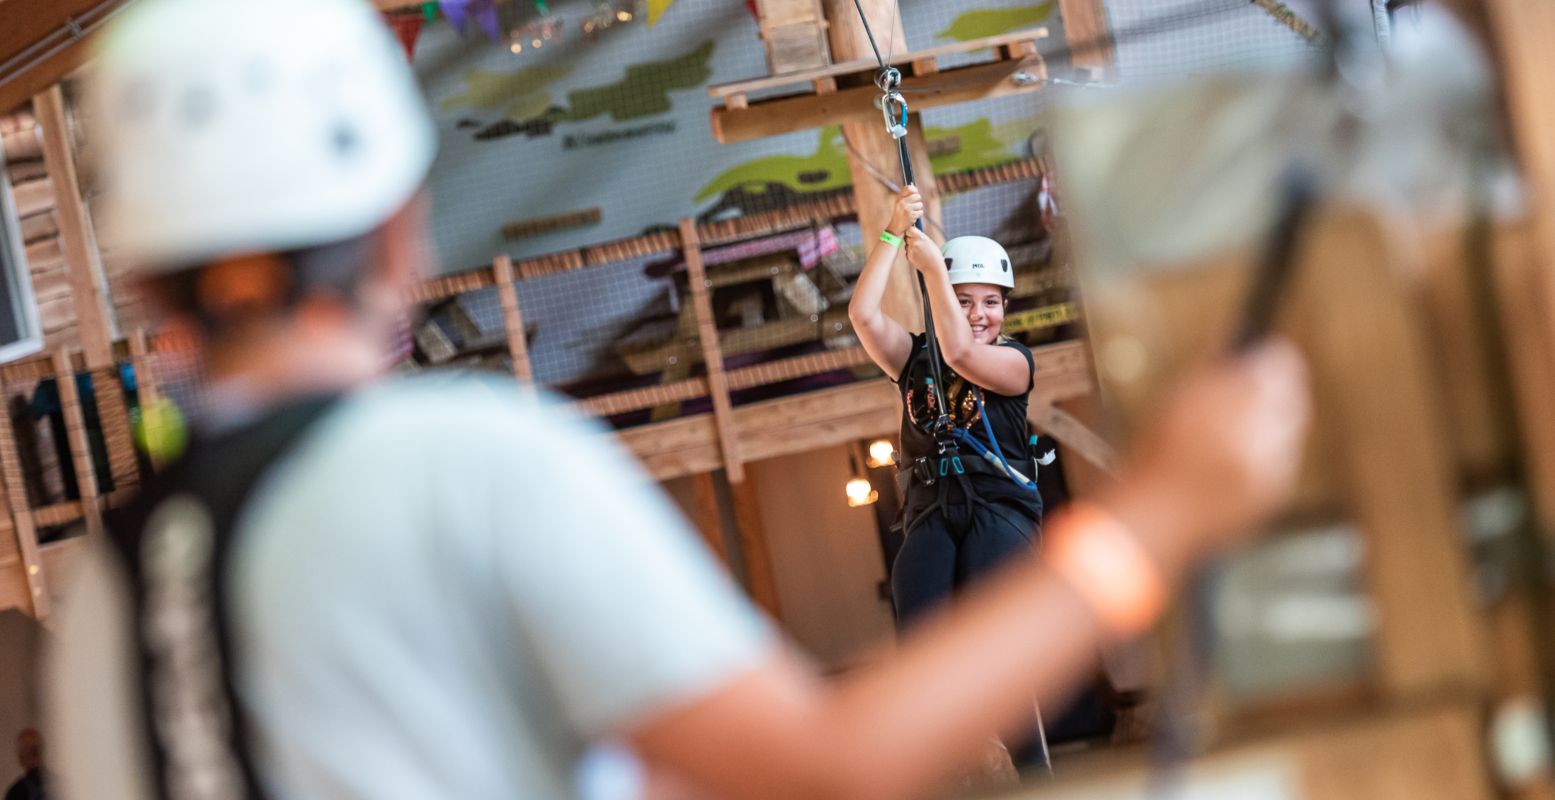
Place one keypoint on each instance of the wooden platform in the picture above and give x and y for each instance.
(846, 92)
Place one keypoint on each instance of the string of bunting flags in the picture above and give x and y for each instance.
(509, 22)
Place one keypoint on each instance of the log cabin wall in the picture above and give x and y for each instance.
(36, 199)
(34, 193)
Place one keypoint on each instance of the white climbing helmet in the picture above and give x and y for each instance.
(978, 259)
(223, 126)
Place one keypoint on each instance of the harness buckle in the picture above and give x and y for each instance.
(955, 461)
(924, 472)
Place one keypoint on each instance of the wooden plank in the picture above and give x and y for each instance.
(58, 514)
(807, 111)
(80, 446)
(16, 87)
(760, 580)
(14, 500)
(1374, 383)
(81, 256)
(21, 171)
(538, 226)
(819, 419)
(1088, 34)
(712, 356)
(823, 418)
(33, 197)
(21, 145)
(843, 19)
(706, 514)
(39, 227)
(513, 320)
(1523, 260)
(113, 416)
(608, 405)
(672, 449)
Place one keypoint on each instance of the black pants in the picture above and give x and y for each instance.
(949, 548)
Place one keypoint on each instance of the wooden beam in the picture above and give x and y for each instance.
(865, 67)
(707, 515)
(80, 443)
(822, 418)
(513, 320)
(1087, 34)
(49, 39)
(75, 230)
(18, 510)
(1375, 390)
(760, 580)
(712, 356)
(760, 119)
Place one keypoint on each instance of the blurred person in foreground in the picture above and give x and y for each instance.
(358, 587)
(33, 784)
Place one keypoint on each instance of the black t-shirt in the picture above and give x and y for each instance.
(1006, 415)
(29, 787)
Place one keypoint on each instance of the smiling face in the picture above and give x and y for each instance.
(983, 304)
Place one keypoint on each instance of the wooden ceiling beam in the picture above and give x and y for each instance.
(43, 41)
(762, 118)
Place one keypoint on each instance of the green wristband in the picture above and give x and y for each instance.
(891, 238)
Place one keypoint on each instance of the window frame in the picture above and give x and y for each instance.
(13, 260)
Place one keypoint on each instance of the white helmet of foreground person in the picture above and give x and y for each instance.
(213, 139)
(978, 259)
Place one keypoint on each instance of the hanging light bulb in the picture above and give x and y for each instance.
(858, 489)
(860, 492)
(881, 454)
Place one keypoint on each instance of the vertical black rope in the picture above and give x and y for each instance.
(936, 360)
(864, 18)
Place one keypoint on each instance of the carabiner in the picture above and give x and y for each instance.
(894, 126)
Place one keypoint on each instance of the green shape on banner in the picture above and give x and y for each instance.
(827, 167)
(429, 11)
(645, 89)
(520, 94)
(980, 147)
(985, 22)
(829, 163)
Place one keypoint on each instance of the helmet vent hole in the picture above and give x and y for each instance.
(345, 140)
(950, 263)
(1005, 263)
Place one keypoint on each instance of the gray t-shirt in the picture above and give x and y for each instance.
(445, 590)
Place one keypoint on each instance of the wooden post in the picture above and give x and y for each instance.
(513, 319)
(146, 389)
(1373, 381)
(871, 150)
(707, 515)
(83, 268)
(760, 580)
(712, 356)
(1088, 35)
(80, 444)
(19, 510)
(75, 233)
